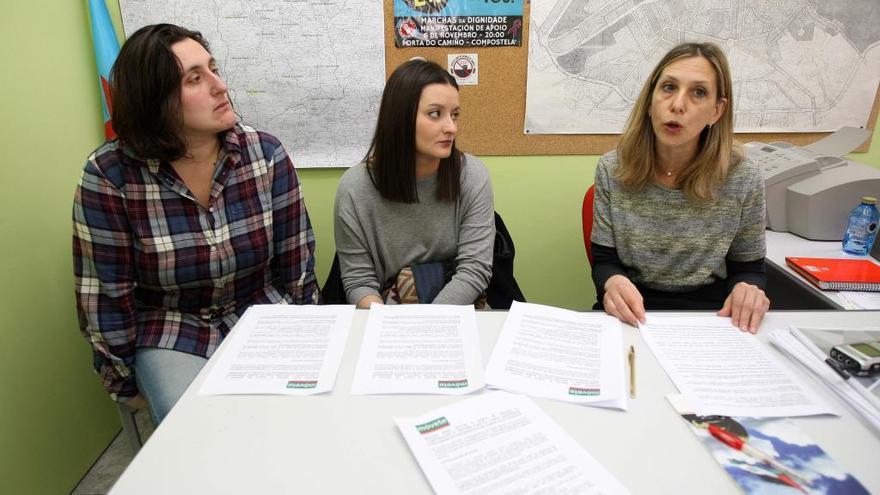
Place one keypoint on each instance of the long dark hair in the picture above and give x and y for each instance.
(145, 88)
(391, 159)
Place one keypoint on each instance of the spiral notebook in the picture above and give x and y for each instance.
(838, 273)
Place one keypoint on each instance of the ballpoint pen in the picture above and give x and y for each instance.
(631, 358)
(738, 443)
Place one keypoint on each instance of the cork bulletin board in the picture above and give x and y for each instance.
(493, 111)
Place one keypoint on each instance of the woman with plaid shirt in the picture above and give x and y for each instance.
(181, 223)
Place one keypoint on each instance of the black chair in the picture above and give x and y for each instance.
(500, 294)
(503, 289)
(333, 291)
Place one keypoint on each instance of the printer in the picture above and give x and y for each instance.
(810, 192)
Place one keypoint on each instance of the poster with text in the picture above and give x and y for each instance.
(458, 23)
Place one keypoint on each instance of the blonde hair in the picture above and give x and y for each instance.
(717, 153)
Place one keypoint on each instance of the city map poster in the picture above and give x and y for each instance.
(291, 68)
(458, 23)
(797, 65)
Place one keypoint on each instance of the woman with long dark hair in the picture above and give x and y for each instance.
(416, 199)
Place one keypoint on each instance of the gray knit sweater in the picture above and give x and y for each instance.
(668, 242)
(375, 237)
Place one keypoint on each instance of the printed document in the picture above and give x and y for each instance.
(419, 349)
(281, 349)
(861, 300)
(501, 443)
(810, 347)
(560, 354)
(722, 370)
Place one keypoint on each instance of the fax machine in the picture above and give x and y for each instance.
(809, 193)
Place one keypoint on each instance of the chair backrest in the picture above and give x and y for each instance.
(503, 288)
(333, 292)
(587, 221)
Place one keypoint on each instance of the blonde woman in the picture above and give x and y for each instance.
(679, 212)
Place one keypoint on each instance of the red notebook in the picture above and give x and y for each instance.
(838, 274)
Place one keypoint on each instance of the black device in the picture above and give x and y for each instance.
(861, 358)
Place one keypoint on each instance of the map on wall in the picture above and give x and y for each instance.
(798, 65)
(310, 73)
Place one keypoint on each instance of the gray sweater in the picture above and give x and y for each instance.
(668, 242)
(375, 237)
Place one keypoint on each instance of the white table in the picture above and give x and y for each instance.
(339, 443)
(782, 244)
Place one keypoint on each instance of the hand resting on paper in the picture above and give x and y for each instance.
(746, 306)
(365, 301)
(623, 301)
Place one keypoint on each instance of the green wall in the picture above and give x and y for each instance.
(54, 417)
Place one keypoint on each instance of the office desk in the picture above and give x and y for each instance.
(339, 443)
(788, 290)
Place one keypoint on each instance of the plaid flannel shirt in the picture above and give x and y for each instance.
(154, 268)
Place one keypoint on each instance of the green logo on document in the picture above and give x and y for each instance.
(583, 391)
(432, 425)
(302, 384)
(453, 383)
